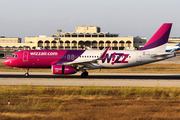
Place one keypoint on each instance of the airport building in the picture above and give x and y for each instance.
(90, 36)
(12, 44)
(173, 41)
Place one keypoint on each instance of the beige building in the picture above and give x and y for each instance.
(90, 36)
(173, 41)
(11, 44)
(9, 40)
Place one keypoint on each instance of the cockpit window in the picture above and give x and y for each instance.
(14, 55)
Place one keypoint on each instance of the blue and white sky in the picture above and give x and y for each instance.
(22, 18)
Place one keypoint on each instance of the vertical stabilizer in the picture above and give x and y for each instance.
(178, 44)
(159, 40)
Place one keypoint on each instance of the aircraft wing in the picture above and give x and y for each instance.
(86, 63)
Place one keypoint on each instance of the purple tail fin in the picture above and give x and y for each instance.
(159, 39)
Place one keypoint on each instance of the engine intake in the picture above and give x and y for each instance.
(63, 69)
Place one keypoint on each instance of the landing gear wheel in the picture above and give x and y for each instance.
(86, 73)
(26, 74)
(83, 75)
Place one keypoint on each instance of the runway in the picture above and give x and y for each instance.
(94, 79)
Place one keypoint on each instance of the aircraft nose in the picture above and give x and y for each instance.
(7, 62)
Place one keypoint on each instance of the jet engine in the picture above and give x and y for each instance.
(63, 69)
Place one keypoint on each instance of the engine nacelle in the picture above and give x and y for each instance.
(63, 69)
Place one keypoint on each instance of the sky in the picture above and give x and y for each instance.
(22, 18)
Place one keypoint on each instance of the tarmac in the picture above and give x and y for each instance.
(94, 79)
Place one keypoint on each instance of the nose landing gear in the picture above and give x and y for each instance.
(27, 72)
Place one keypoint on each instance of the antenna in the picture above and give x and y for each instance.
(59, 31)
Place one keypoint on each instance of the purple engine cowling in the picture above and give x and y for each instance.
(63, 69)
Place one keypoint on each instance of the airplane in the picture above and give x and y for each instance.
(71, 61)
(170, 48)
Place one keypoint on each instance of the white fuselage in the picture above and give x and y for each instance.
(121, 58)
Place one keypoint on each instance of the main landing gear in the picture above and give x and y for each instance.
(84, 74)
(27, 72)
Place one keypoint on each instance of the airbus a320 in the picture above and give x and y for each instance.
(71, 61)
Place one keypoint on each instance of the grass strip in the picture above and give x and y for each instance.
(10, 92)
(87, 102)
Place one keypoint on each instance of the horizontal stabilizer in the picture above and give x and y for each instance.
(161, 55)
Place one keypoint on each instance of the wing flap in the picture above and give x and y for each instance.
(87, 62)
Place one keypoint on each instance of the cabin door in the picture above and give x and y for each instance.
(25, 56)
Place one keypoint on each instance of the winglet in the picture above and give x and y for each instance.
(104, 53)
